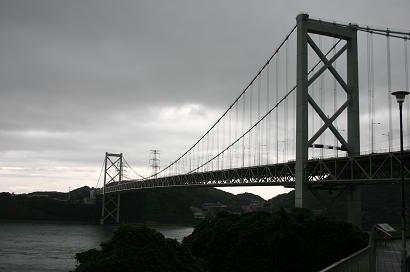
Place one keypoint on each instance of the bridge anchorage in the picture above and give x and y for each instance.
(242, 147)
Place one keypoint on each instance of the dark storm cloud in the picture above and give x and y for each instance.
(78, 78)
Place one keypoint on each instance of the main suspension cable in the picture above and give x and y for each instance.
(235, 101)
(264, 116)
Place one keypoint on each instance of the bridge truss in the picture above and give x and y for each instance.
(321, 173)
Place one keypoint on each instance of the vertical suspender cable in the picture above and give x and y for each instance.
(250, 124)
(207, 149)
(193, 158)
(190, 162)
(223, 142)
(322, 106)
(406, 76)
(243, 130)
(277, 108)
(293, 107)
(390, 132)
(268, 118)
(259, 116)
(230, 138)
(203, 153)
(212, 149)
(217, 145)
(312, 117)
(335, 100)
(235, 158)
(182, 165)
(369, 92)
(196, 156)
(255, 143)
(372, 100)
(286, 143)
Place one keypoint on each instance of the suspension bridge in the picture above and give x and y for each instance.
(301, 122)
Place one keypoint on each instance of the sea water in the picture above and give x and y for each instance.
(34, 246)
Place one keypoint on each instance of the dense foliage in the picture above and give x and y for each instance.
(258, 241)
(380, 204)
(138, 248)
(278, 241)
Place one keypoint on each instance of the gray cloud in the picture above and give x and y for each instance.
(78, 78)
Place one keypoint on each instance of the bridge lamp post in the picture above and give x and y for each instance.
(400, 97)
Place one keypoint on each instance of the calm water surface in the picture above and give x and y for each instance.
(52, 246)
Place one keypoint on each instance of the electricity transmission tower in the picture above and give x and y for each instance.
(154, 162)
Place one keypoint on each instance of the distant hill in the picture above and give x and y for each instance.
(286, 200)
(247, 198)
(53, 206)
(161, 205)
(75, 195)
(170, 205)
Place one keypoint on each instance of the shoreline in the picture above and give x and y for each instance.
(94, 223)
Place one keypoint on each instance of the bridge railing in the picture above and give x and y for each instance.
(359, 261)
(363, 260)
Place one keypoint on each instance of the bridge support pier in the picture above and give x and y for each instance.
(343, 201)
(354, 205)
(110, 206)
(305, 27)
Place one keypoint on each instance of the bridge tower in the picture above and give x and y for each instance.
(304, 194)
(113, 171)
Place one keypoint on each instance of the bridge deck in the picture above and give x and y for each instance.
(388, 256)
(363, 169)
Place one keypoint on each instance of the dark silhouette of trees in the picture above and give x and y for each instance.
(278, 241)
(138, 248)
(257, 241)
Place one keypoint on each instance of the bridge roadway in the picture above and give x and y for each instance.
(326, 173)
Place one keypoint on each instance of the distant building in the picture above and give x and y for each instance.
(38, 195)
(197, 212)
(211, 209)
(89, 201)
(92, 193)
(254, 206)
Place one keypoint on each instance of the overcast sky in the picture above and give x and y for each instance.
(79, 78)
